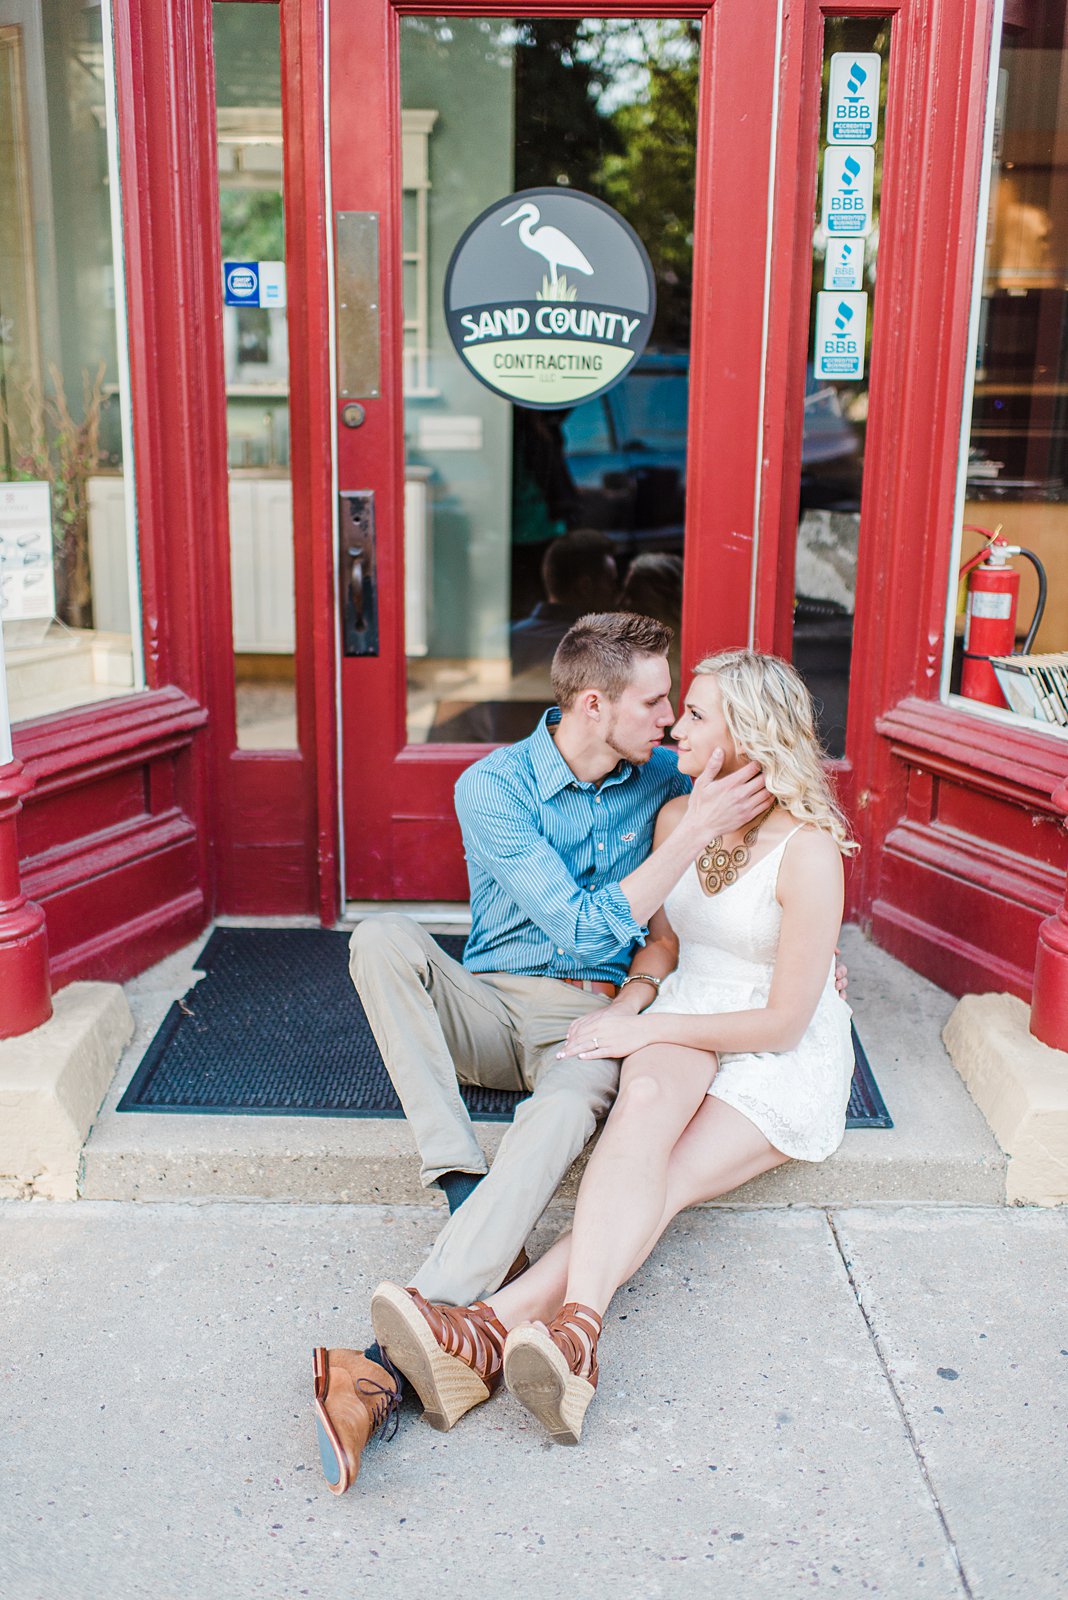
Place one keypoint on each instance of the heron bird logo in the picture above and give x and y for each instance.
(557, 249)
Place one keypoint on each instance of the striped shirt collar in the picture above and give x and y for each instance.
(551, 771)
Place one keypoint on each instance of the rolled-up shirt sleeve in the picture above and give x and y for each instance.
(501, 833)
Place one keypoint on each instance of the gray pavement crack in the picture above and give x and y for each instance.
(910, 1434)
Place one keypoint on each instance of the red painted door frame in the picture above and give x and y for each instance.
(402, 841)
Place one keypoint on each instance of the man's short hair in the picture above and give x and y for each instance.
(600, 651)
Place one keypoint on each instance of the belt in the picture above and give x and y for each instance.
(593, 986)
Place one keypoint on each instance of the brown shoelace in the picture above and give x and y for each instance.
(385, 1401)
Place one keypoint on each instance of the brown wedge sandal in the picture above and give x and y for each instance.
(451, 1355)
(553, 1371)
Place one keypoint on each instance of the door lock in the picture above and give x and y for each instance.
(353, 415)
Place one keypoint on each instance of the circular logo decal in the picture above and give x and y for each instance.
(240, 280)
(549, 297)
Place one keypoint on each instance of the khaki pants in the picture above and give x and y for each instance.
(436, 1023)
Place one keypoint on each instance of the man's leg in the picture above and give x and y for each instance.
(479, 1243)
(432, 1021)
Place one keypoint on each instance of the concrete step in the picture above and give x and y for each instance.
(939, 1150)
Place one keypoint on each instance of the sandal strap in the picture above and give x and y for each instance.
(470, 1333)
(574, 1331)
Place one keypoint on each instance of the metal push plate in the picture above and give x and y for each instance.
(359, 360)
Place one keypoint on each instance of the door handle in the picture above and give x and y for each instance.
(356, 587)
(357, 575)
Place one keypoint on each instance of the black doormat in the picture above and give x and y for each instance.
(275, 1028)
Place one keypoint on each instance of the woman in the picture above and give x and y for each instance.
(742, 1060)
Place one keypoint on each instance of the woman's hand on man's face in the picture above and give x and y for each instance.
(607, 1034)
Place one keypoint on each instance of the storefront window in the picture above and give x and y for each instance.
(68, 573)
(248, 96)
(519, 520)
(845, 248)
(1014, 470)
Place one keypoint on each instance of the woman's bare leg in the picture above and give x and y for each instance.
(719, 1150)
(623, 1188)
(538, 1295)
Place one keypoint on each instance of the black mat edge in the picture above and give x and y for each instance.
(157, 1048)
(294, 1111)
(204, 960)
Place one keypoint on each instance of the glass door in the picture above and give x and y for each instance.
(491, 488)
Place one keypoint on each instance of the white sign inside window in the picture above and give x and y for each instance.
(853, 98)
(848, 182)
(27, 582)
(254, 283)
(843, 268)
(841, 325)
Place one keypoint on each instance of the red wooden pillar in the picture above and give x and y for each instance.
(25, 992)
(1049, 1004)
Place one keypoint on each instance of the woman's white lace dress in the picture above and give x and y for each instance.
(727, 946)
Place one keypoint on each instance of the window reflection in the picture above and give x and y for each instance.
(518, 521)
(67, 568)
(578, 574)
(1016, 468)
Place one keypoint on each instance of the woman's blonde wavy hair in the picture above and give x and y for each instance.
(769, 714)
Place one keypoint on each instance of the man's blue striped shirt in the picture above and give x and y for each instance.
(545, 855)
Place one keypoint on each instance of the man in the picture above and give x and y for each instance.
(558, 832)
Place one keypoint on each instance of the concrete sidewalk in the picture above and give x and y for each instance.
(864, 1401)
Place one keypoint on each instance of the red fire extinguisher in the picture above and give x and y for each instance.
(990, 616)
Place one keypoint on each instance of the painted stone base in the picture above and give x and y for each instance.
(1021, 1087)
(52, 1082)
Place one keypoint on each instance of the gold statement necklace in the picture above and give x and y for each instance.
(717, 867)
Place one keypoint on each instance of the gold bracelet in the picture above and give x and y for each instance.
(641, 977)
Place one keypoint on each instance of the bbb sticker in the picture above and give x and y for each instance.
(843, 267)
(853, 97)
(848, 182)
(841, 326)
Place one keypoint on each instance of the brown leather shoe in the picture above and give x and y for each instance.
(353, 1397)
(518, 1267)
(452, 1355)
